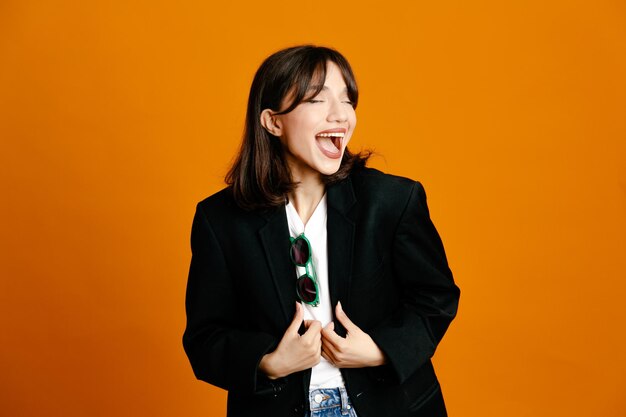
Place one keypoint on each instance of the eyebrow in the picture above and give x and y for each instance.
(324, 88)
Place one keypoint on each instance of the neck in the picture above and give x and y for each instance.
(307, 194)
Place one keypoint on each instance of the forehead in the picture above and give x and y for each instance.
(333, 75)
(334, 81)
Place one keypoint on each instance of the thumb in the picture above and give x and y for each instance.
(297, 320)
(343, 318)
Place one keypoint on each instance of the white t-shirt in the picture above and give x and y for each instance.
(324, 374)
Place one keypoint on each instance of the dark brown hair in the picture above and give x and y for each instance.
(260, 177)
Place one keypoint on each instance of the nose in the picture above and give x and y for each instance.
(337, 111)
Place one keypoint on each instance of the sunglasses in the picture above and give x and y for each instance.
(306, 285)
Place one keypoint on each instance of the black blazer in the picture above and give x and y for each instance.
(386, 264)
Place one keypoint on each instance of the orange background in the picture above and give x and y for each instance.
(116, 117)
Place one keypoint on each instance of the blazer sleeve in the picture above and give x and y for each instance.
(429, 296)
(220, 352)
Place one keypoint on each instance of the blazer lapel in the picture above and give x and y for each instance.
(340, 229)
(274, 237)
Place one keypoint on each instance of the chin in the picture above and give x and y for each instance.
(329, 169)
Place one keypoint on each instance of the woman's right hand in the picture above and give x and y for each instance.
(294, 352)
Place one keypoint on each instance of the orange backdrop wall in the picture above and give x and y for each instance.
(116, 117)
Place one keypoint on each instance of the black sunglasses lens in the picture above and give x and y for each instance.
(306, 289)
(300, 251)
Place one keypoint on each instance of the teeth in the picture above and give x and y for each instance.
(331, 135)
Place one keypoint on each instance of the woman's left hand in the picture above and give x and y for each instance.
(356, 350)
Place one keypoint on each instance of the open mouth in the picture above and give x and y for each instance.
(330, 141)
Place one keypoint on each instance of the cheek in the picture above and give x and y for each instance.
(296, 143)
(298, 125)
(352, 122)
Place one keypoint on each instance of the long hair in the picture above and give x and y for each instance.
(260, 177)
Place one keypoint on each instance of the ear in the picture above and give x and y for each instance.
(270, 122)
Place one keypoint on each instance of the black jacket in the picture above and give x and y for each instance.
(386, 264)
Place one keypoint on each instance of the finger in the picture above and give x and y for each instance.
(343, 318)
(313, 331)
(308, 323)
(328, 355)
(297, 320)
(328, 330)
(328, 358)
(329, 336)
(328, 347)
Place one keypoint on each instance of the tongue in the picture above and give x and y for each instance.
(327, 143)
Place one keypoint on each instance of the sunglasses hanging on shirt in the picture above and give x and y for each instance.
(306, 285)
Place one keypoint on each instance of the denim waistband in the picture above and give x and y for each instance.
(325, 398)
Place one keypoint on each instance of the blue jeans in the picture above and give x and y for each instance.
(330, 402)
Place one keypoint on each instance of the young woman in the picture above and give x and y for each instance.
(317, 286)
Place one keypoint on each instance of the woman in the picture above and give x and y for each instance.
(317, 286)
